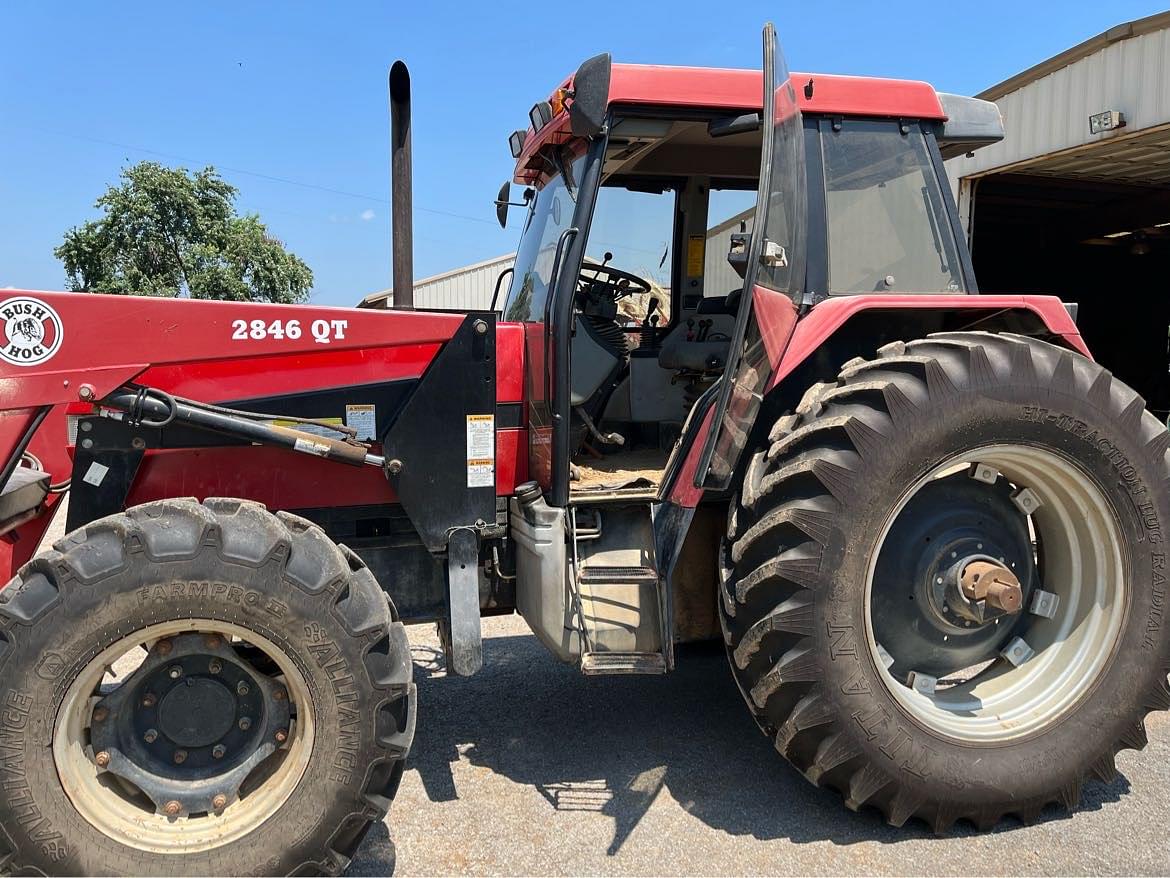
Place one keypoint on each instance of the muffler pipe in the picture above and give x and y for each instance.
(401, 206)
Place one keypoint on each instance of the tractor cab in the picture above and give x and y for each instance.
(640, 283)
(644, 227)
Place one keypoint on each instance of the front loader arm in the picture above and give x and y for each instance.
(86, 353)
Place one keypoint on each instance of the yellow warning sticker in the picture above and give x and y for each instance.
(695, 246)
(481, 451)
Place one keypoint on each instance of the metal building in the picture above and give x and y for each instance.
(461, 289)
(1075, 201)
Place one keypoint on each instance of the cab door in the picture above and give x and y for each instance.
(774, 279)
(546, 246)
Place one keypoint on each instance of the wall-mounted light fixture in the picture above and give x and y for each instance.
(1106, 120)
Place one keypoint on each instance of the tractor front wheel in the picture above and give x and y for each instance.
(194, 688)
(943, 584)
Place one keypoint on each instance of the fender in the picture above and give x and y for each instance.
(795, 345)
(825, 319)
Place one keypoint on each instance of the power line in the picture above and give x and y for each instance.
(269, 177)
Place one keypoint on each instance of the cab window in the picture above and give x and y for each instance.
(888, 225)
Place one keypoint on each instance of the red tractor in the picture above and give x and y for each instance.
(926, 523)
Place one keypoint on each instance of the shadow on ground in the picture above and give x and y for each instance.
(610, 744)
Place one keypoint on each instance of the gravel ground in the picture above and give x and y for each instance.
(529, 768)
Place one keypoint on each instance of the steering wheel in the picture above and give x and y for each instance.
(607, 281)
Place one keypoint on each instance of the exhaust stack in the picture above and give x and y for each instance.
(400, 182)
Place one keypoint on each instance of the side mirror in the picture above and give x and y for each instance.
(502, 204)
(590, 96)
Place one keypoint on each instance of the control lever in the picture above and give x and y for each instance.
(609, 438)
(650, 323)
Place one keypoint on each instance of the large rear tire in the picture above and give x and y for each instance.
(840, 596)
(201, 689)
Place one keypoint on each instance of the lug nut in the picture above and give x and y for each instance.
(213, 641)
(102, 759)
(219, 802)
(245, 723)
(215, 666)
(164, 647)
(100, 714)
(150, 736)
(174, 672)
(149, 699)
(218, 751)
(172, 808)
(243, 688)
(180, 757)
(281, 736)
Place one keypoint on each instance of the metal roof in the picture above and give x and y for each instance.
(1115, 34)
(1046, 111)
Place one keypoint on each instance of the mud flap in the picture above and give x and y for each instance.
(465, 648)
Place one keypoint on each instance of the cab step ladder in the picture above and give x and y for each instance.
(617, 590)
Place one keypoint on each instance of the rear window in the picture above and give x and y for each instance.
(888, 226)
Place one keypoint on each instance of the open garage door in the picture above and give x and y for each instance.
(1092, 227)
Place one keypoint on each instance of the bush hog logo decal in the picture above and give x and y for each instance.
(30, 331)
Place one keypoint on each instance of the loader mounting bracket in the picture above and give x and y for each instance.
(105, 463)
(440, 450)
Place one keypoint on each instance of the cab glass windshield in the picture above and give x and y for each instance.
(549, 215)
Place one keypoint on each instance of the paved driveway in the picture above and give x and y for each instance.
(530, 768)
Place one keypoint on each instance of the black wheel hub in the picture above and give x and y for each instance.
(197, 713)
(190, 724)
(918, 617)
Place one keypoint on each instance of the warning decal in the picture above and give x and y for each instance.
(481, 451)
(362, 418)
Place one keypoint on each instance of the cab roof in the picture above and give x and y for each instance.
(650, 85)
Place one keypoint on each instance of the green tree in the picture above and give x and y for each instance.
(168, 232)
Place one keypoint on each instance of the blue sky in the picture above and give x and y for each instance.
(288, 100)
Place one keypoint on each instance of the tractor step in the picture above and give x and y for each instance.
(618, 575)
(597, 663)
(617, 590)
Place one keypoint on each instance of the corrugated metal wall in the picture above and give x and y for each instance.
(1052, 113)
(719, 278)
(468, 288)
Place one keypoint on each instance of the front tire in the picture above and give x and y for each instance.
(846, 627)
(198, 689)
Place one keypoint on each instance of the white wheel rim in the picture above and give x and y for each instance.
(115, 815)
(1083, 564)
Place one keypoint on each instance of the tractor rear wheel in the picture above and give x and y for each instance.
(201, 689)
(943, 584)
